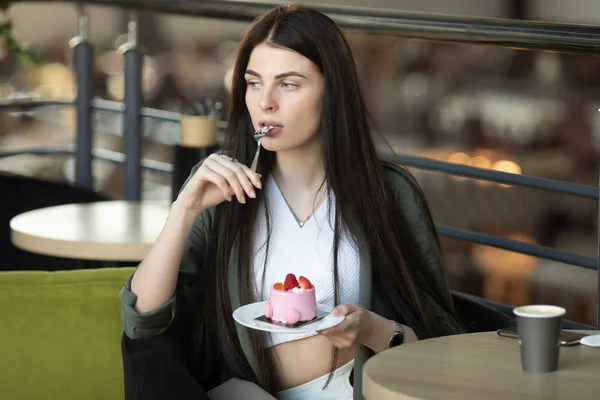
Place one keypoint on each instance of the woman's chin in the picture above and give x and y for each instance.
(278, 149)
(276, 145)
(269, 145)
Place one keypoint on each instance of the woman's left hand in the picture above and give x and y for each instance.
(360, 326)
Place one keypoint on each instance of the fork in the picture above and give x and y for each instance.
(259, 136)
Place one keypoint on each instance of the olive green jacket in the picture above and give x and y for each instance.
(411, 202)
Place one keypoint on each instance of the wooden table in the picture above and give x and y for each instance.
(107, 231)
(477, 366)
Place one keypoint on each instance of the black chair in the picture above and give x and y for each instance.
(477, 316)
(482, 315)
(21, 194)
(577, 326)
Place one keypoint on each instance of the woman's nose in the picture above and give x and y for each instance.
(267, 101)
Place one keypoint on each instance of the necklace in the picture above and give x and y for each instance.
(301, 223)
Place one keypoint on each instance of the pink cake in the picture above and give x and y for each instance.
(292, 301)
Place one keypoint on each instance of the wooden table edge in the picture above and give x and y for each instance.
(372, 388)
(127, 252)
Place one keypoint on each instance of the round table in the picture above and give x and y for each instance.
(477, 366)
(106, 231)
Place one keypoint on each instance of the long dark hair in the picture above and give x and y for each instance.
(348, 151)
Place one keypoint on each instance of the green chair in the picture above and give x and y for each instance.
(60, 334)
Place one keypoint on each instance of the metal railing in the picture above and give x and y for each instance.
(526, 35)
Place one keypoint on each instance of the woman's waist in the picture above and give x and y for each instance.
(300, 361)
(323, 388)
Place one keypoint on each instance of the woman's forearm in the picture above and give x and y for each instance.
(382, 330)
(155, 280)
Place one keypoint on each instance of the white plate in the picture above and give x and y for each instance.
(592, 340)
(246, 315)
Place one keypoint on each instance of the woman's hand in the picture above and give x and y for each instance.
(364, 327)
(218, 179)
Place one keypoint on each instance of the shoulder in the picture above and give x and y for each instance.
(396, 175)
(401, 184)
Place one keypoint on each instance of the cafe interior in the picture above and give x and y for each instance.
(105, 106)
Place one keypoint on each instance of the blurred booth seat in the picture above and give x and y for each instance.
(20, 194)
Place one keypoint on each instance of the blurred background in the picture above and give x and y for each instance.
(523, 112)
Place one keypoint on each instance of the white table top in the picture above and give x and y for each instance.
(111, 230)
(477, 366)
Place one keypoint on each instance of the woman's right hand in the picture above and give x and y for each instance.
(219, 178)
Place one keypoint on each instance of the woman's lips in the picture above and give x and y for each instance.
(275, 131)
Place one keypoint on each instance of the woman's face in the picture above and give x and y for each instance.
(284, 89)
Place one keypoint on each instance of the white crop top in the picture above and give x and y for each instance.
(306, 251)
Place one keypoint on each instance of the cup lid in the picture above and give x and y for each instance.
(539, 311)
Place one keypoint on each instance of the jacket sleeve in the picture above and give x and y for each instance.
(138, 325)
(412, 202)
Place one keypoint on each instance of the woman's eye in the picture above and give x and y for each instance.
(253, 85)
(288, 86)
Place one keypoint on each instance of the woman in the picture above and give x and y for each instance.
(321, 205)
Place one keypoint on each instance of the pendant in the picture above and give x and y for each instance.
(301, 224)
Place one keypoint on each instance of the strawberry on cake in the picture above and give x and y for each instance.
(292, 301)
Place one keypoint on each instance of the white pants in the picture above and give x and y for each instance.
(338, 389)
(235, 389)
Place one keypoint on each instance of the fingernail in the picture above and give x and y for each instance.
(253, 194)
(243, 200)
(259, 184)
